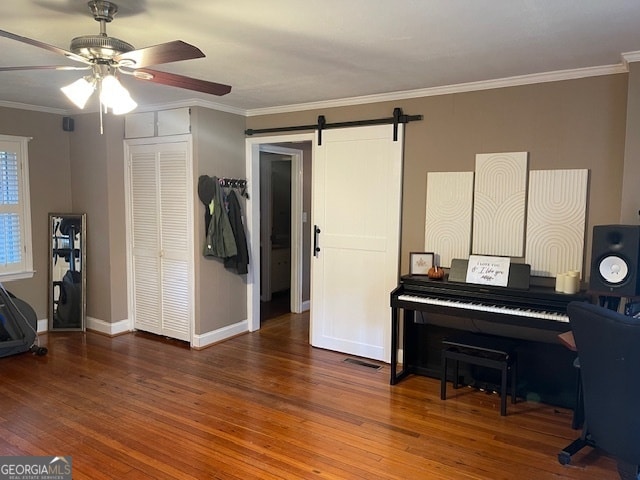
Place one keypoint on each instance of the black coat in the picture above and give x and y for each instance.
(240, 261)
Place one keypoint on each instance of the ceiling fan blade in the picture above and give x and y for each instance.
(46, 46)
(158, 54)
(42, 67)
(181, 81)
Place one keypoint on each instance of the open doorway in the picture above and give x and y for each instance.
(275, 234)
(274, 252)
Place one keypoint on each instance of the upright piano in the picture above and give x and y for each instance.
(429, 310)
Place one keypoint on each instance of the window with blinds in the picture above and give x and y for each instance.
(15, 217)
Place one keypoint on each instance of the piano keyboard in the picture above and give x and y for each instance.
(499, 309)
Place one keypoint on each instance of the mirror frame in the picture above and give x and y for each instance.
(83, 262)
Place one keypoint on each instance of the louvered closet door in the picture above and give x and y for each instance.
(160, 190)
(174, 240)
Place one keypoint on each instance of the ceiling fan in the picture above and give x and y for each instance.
(105, 57)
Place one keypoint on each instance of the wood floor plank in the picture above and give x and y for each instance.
(266, 405)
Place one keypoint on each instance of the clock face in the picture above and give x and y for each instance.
(613, 269)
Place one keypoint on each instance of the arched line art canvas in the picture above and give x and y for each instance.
(499, 204)
(556, 221)
(448, 217)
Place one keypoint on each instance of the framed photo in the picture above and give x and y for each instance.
(420, 262)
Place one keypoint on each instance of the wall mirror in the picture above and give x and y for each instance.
(67, 278)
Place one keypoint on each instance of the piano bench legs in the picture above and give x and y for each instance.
(483, 350)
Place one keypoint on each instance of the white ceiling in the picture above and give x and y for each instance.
(286, 54)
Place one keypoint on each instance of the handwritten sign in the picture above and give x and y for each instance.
(488, 270)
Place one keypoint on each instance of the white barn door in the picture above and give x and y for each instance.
(160, 238)
(357, 174)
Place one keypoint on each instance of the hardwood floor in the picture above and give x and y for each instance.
(279, 305)
(266, 405)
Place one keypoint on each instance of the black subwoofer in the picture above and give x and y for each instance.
(615, 260)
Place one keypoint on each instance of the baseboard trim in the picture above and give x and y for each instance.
(111, 329)
(123, 326)
(199, 341)
(216, 336)
(43, 325)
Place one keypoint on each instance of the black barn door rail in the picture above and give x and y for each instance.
(398, 118)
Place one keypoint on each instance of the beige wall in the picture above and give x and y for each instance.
(629, 209)
(97, 179)
(219, 150)
(49, 179)
(116, 220)
(98, 189)
(75, 172)
(568, 124)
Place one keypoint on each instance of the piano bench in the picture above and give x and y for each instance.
(482, 350)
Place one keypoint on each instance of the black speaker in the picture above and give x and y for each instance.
(615, 260)
(67, 124)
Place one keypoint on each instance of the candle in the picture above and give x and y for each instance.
(571, 283)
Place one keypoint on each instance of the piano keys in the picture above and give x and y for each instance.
(432, 309)
(491, 308)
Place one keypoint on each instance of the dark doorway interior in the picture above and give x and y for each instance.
(280, 304)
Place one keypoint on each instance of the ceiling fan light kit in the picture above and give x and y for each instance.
(79, 91)
(107, 56)
(112, 94)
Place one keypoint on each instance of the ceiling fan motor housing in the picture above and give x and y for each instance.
(99, 47)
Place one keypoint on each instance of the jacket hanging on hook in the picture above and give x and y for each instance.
(240, 261)
(220, 241)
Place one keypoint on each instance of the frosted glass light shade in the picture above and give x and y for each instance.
(125, 105)
(79, 92)
(114, 96)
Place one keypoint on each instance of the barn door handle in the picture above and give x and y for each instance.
(316, 248)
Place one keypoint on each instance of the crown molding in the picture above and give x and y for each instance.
(545, 77)
(629, 57)
(194, 102)
(450, 89)
(35, 108)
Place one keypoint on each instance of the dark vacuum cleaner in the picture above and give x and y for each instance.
(18, 326)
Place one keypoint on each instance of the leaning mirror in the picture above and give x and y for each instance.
(67, 279)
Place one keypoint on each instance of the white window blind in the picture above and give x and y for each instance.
(15, 213)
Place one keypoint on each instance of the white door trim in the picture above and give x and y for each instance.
(128, 143)
(266, 207)
(253, 147)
